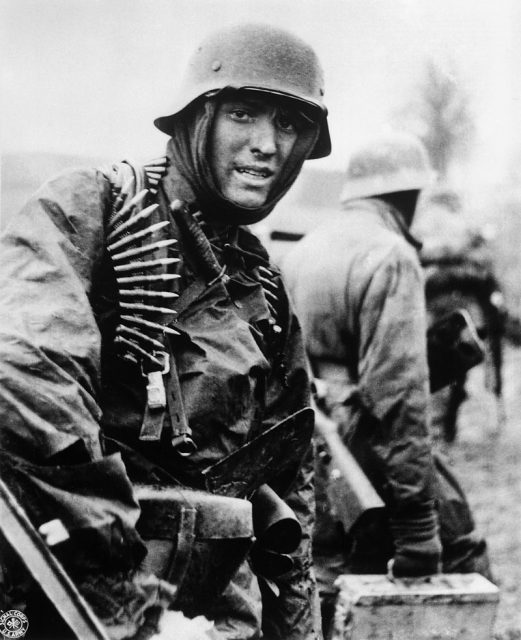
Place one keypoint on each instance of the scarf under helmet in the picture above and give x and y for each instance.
(188, 152)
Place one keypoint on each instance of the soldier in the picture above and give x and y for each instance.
(357, 286)
(459, 273)
(142, 319)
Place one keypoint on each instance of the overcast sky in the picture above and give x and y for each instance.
(88, 76)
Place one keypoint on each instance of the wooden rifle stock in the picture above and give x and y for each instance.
(19, 532)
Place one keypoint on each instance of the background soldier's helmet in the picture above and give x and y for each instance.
(257, 57)
(391, 163)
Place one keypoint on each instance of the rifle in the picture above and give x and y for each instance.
(351, 494)
(43, 566)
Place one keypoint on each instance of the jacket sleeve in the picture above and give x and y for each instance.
(50, 369)
(393, 378)
(49, 340)
(294, 613)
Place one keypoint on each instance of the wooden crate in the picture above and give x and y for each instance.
(441, 607)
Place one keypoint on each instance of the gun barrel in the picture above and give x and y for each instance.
(352, 495)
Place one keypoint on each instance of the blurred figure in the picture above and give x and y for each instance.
(459, 273)
(358, 288)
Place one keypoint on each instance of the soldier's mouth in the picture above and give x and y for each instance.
(260, 173)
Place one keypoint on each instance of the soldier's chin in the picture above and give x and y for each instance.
(247, 198)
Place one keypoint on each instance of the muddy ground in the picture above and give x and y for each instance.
(487, 459)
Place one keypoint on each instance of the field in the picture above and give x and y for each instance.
(488, 462)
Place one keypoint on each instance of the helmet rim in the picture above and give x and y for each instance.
(256, 57)
(322, 148)
(388, 164)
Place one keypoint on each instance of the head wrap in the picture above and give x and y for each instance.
(189, 152)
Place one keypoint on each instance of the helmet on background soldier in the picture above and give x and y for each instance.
(391, 163)
(255, 57)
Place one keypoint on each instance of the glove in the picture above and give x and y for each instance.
(417, 544)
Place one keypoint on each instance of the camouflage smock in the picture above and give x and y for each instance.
(358, 289)
(63, 385)
(351, 281)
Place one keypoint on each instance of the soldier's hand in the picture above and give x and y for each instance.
(413, 566)
(417, 543)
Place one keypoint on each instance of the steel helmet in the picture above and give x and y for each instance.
(258, 57)
(391, 163)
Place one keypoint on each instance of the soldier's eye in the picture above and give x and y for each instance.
(240, 114)
(287, 122)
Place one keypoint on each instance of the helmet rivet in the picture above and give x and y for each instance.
(216, 65)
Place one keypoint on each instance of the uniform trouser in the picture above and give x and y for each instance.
(238, 611)
(244, 608)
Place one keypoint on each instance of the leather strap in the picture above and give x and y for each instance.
(185, 544)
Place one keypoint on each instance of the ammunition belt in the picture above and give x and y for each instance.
(137, 263)
(144, 258)
(147, 286)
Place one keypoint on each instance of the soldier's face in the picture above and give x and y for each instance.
(252, 137)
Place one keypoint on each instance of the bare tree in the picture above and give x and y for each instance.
(440, 114)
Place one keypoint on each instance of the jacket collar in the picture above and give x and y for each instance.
(389, 215)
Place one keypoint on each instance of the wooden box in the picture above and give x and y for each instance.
(441, 607)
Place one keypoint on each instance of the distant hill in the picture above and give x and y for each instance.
(23, 173)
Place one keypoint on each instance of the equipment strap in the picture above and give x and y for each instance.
(143, 321)
(185, 544)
